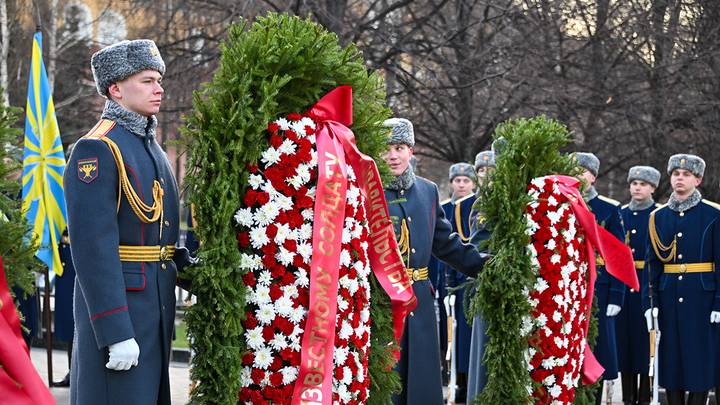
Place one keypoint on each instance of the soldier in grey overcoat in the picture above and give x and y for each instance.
(123, 219)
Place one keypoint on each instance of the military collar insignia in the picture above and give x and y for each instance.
(642, 205)
(87, 169)
(403, 181)
(680, 206)
(133, 122)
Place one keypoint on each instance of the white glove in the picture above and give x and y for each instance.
(612, 310)
(649, 319)
(715, 317)
(123, 355)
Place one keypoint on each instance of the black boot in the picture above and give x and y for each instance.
(675, 397)
(697, 398)
(629, 388)
(644, 395)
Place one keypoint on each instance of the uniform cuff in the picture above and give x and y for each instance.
(616, 297)
(112, 326)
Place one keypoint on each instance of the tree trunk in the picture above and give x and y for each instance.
(4, 49)
(52, 42)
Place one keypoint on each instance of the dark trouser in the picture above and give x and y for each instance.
(634, 393)
(676, 397)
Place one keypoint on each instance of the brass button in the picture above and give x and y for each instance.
(633, 231)
(682, 214)
(634, 213)
(680, 256)
(412, 250)
(632, 290)
(167, 223)
(163, 265)
(409, 219)
(679, 234)
(679, 278)
(680, 299)
(63, 264)
(162, 180)
(402, 192)
(633, 250)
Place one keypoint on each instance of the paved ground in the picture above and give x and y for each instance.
(179, 376)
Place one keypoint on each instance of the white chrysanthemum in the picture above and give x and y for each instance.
(548, 363)
(255, 181)
(346, 235)
(305, 232)
(298, 127)
(290, 291)
(527, 325)
(340, 355)
(353, 286)
(298, 315)
(345, 258)
(254, 338)
(347, 375)
(353, 196)
(283, 202)
(264, 278)
(357, 230)
(248, 262)
(246, 377)
(550, 245)
(360, 330)
(284, 256)
(568, 380)
(266, 214)
(284, 305)
(283, 123)
(313, 153)
(542, 319)
(302, 279)
(262, 294)
(552, 201)
(549, 380)
(342, 304)
(305, 250)
(289, 374)
(303, 173)
(541, 285)
(244, 217)
(346, 330)
(307, 121)
(344, 393)
(538, 182)
(263, 358)
(365, 315)
(351, 174)
(270, 156)
(555, 259)
(288, 147)
(265, 314)
(278, 342)
(258, 237)
(555, 391)
(295, 181)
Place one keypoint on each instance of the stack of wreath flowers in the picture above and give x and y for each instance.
(556, 326)
(276, 221)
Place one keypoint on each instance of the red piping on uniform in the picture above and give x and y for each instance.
(94, 317)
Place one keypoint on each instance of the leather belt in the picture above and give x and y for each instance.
(417, 274)
(146, 253)
(690, 268)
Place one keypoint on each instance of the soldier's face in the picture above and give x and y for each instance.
(684, 182)
(141, 93)
(483, 172)
(398, 158)
(640, 190)
(461, 186)
(588, 177)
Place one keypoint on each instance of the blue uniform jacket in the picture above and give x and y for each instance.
(688, 345)
(458, 214)
(430, 234)
(632, 336)
(118, 300)
(608, 289)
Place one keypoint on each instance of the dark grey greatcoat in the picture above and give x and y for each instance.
(430, 234)
(115, 300)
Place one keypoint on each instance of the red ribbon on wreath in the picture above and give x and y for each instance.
(336, 142)
(618, 260)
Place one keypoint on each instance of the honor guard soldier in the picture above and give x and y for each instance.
(422, 228)
(123, 219)
(610, 291)
(683, 254)
(457, 210)
(63, 314)
(477, 373)
(632, 337)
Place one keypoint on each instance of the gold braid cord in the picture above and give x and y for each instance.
(404, 242)
(458, 224)
(658, 245)
(136, 203)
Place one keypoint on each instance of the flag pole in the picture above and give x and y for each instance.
(48, 326)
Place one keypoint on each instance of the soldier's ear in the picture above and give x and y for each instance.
(114, 91)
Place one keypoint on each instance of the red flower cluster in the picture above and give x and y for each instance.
(275, 237)
(556, 330)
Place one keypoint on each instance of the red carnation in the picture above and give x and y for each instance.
(268, 333)
(250, 321)
(276, 379)
(243, 239)
(309, 130)
(257, 375)
(273, 127)
(275, 292)
(294, 117)
(248, 358)
(250, 198)
(263, 198)
(249, 279)
(276, 141)
(271, 231)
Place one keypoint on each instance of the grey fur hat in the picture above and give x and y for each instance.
(402, 132)
(588, 161)
(647, 174)
(121, 60)
(485, 158)
(693, 163)
(462, 169)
